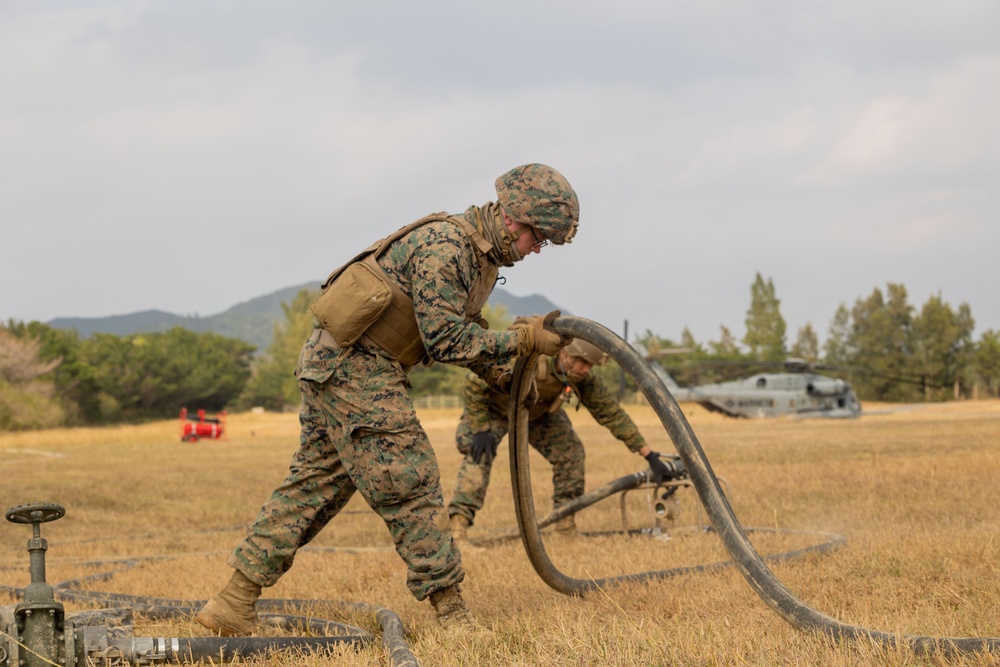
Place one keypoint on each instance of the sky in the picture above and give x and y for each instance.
(189, 155)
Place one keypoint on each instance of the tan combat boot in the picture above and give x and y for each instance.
(230, 612)
(452, 613)
(566, 526)
(460, 534)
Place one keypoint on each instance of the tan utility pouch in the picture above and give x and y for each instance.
(351, 303)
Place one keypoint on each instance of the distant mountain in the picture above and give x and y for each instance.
(535, 304)
(252, 321)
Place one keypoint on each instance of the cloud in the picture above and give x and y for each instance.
(945, 124)
(190, 155)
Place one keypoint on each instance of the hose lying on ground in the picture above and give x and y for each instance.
(620, 485)
(322, 634)
(724, 521)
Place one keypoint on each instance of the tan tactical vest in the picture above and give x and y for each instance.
(552, 394)
(361, 302)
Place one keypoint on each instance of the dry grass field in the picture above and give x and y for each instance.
(913, 491)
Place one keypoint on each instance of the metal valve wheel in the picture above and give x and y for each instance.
(35, 513)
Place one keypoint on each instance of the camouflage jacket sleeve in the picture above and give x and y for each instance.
(594, 395)
(476, 396)
(436, 265)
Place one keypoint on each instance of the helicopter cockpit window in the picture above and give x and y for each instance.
(761, 382)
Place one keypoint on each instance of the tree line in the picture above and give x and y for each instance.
(51, 377)
(887, 348)
(890, 351)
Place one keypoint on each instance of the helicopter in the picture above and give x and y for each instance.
(800, 392)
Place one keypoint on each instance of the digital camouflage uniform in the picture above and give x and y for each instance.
(550, 432)
(412, 297)
(360, 431)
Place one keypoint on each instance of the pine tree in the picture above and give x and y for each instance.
(838, 350)
(765, 337)
(987, 362)
(726, 347)
(942, 345)
(881, 341)
(806, 344)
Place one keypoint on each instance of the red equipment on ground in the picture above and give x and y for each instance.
(194, 428)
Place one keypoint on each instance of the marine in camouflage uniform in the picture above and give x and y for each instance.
(359, 430)
(558, 380)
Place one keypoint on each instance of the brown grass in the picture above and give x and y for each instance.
(913, 491)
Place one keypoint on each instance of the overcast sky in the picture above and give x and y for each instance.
(188, 155)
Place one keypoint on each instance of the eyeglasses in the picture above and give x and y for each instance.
(540, 242)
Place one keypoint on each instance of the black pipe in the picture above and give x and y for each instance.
(326, 634)
(625, 483)
(188, 650)
(724, 521)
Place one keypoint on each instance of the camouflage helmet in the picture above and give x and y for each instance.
(589, 352)
(541, 197)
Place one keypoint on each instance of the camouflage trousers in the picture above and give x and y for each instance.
(552, 435)
(359, 432)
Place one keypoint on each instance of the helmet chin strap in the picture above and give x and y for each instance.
(514, 236)
(515, 254)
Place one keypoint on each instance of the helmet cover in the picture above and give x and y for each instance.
(589, 352)
(539, 196)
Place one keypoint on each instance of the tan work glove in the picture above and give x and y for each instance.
(531, 397)
(541, 337)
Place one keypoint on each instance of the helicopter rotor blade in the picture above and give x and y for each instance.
(796, 365)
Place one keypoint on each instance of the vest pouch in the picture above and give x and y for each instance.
(351, 303)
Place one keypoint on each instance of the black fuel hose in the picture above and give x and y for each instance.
(633, 481)
(323, 634)
(724, 521)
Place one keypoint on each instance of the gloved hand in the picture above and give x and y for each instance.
(547, 340)
(531, 397)
(661, 471)
(539, 336)
(484, 447)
